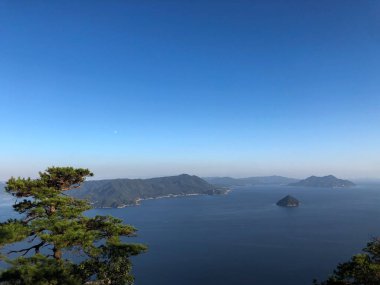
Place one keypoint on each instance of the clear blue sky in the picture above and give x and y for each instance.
(138, 88)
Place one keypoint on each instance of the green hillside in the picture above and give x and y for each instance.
(122, 192)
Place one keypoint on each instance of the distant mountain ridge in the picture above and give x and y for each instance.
(255, 180)
(6, 199)
(328, 181)
(123, 192)
(2, 187)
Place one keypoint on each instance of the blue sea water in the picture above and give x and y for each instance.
(244, 238)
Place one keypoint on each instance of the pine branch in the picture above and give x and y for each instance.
(26, 250)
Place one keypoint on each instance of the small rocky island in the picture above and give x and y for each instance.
(288, 201)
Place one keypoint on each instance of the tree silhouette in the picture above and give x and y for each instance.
(362, 269)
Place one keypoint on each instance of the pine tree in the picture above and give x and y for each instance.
(54, 228)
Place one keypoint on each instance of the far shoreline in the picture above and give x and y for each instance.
(139, 200)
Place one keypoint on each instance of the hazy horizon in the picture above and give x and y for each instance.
(121, 175)
(210, 88)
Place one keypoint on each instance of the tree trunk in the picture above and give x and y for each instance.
(57, 253)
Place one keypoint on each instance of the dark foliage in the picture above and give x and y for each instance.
(362, 269)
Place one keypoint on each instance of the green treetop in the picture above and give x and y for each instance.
(53, 227)
(362, 269)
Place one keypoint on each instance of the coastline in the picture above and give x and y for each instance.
(138, 201)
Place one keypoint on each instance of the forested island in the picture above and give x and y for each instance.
(328, 181)
(125, 192)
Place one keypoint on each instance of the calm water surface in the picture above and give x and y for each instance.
(244, 238)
